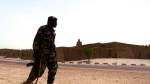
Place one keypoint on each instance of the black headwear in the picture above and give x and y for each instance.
(51, 19)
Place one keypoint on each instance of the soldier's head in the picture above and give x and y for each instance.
(52, 21)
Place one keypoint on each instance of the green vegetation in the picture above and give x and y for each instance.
(88, 52)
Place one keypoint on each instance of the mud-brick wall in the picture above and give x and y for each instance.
(77, 53)
(26, 54)
(125, 52)
(105, 53)
(96, 52)
(141, 52)
(60, 54)
(73, 54)
(99, 52)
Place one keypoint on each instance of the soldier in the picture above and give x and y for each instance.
(44, 52)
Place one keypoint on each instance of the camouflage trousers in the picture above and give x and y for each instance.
(39, 68)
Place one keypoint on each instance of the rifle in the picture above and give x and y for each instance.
(31, 64)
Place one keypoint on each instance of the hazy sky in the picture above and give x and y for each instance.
(92, 21)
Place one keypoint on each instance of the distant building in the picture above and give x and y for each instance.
(79, 43)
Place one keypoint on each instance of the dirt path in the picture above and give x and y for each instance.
(11, 73)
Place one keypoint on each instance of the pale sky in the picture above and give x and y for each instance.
(92, 21)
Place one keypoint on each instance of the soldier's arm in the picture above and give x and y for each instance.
(37, 43)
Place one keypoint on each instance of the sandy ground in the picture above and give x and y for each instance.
(11, 73)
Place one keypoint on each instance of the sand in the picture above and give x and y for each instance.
(12, 73)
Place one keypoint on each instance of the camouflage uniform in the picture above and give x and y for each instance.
(44, 54)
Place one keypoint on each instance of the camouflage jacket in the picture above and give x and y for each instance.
(44, 41)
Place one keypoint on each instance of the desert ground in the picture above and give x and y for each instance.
(14, 73)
